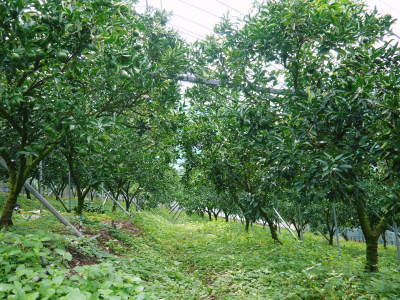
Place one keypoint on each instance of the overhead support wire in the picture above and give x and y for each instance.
(230, 7)
(216, 82)
(189, 32)
(191, 35)
(193, 79)
(194, 22)
(391, 7)
(199, 8)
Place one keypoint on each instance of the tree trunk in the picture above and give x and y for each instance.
(81, 198)
(273, 229)
(372, 255)
(127, 204)
(114, 206)
(81, 201)
(16, 184)
(371, 235)
(215, 216)
(28, 194)
(247, 225)
(226, 217)
(8, 208)
(299, 235)
(384, 240)
(209, 215)
(17, 176)
(62, 203)
(81, 195)
(331, 235)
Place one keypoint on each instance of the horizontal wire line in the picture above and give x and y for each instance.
(228, 6)
(200, 8)
(194, 22)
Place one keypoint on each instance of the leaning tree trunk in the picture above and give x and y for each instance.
(273, 228)
(62, 203)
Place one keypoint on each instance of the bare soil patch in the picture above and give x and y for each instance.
(127, 225)
(79, 259)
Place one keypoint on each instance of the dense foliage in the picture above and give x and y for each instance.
(292, 121)
(83, 84)
(184, 257)
(317, 142)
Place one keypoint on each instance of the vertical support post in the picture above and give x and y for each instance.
(396, 238)
(40, 177)
(69, 191)
(299, 220)
(336, 228)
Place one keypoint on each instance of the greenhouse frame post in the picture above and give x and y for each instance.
(336, 229)
(69, 191)
(299, 216)
(397, 240)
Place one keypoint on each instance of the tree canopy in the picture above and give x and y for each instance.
(296, 111)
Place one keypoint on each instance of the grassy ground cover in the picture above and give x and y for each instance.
(153, 256)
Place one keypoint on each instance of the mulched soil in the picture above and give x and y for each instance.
(79, 259)
(124, 225)
(103, 236)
